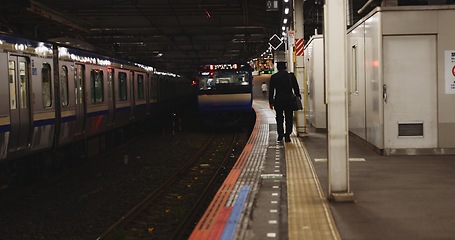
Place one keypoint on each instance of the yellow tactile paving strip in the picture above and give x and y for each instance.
(309, 215)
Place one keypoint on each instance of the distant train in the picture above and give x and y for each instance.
(53, 95)
(225, 90)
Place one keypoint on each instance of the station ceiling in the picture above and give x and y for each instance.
(173, 35)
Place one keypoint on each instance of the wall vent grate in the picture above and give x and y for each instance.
(414, 129)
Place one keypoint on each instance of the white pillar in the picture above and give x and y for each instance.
(337, 107)
(290, 54)
(278, 56)
(299, 69)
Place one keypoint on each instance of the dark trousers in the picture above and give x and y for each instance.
(282, 115)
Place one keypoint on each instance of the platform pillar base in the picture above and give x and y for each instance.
(303, 134)
(342, 197)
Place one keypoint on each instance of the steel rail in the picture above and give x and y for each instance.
(144, 203)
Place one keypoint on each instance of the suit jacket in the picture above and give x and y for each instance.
(281, 91)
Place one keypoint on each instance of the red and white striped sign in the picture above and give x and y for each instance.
(299, 47)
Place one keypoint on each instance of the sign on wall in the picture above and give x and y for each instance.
(450, 71)
(299, 47)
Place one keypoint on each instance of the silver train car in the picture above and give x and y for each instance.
(52, 95)
(225, 91)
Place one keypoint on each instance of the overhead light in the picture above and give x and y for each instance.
(286, 1)
(286, 10)
(283, 28)
(285, 21)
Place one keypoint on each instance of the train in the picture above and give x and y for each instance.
(224, 91)
(52, 95)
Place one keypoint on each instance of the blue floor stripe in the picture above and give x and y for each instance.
(229, 230)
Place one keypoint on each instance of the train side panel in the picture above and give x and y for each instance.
(43, 103)
(68, 102)
(140, 108)
(96, 100)
(225, 102)
(122, 86)
(5, 124)
(96, 94)
(153, 95)
(27, 67)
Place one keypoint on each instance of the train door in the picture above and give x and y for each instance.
(132, 98)
(410, 93)
(110, 97)
(79, 82)
(19, 91)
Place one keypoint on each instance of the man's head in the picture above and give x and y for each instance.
(281, 66)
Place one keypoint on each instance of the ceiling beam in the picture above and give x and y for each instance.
(48, 13)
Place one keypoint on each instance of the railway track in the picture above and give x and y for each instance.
(171, 211)
(82, 203)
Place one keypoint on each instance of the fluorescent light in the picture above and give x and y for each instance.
(286, 10)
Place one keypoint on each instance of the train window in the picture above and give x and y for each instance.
(64, 86)
(23, 84)
(110, 89)
(97, 77)
(225, 79)
(122, 84)
(12, 84)
(140, 86)
(46, 78)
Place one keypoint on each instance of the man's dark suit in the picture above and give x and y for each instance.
(280, 98)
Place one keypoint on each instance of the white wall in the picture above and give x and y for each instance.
(373, 82)
(410, 77)
(314, 64)
(366, 104)
(367, 115)
(446, 109)
(431, 20)
(356, 81)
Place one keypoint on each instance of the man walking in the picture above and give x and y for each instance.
(282, 84)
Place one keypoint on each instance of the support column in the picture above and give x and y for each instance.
(300, 68)
(290, 53)
(337, 107)
(278, 56)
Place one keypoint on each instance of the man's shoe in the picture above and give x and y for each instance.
(287, 139)
(280, 138)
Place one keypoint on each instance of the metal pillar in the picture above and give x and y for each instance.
(336, 93)
(290, 53)
(300, 68)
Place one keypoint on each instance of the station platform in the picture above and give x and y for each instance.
(278, 190)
